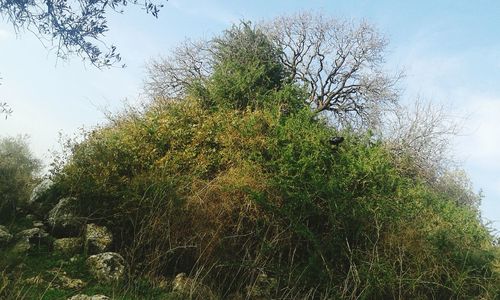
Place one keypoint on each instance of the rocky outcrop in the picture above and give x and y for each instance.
(27, 238)
(63, 219)
(5, 236)
(85, 297)
(189, 288)
(60, 279)
(97, 239)
(68, 246)
(34, 236)
(39, 191)
(107, 266)
(56, 278)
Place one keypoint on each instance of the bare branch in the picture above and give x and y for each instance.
(171, 77)
(339, 62)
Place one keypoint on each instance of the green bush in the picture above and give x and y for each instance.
(241, 186)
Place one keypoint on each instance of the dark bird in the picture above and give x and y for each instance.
(336, 140)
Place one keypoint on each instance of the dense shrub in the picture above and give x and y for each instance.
(227, 192)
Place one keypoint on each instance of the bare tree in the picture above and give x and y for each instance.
(423, 133)
(339, 62)
(170, 77)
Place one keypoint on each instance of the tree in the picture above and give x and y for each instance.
(71, 26)
(242, 65)
(170, 77)
(18, 167)
(339, 62)
(246, 67)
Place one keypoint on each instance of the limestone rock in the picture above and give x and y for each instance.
(27, 238)
(85, 297)
(63, 219)
(107, 266)
(39, 190)
(22, 246)
(68, 245)
(60, 279)
(35, 280)
(5, 236)
(33, 236)
(191, 289)
(97, 238)
(38, 224)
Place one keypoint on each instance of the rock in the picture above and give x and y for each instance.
(35, 280)
(27, 238)
(33, 236)
(38, 224)
(68, 245)
(97, 239)
(5, 236)
(107, 266)
(63, 219)
(39, 191)
(191, 289)
(30, 217)
(85, 297)
(262, 288)
(60, 279)
(22, 246)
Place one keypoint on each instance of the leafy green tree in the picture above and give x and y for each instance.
(18, 168)
(246, 67)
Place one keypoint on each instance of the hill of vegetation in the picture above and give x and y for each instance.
(258, 180)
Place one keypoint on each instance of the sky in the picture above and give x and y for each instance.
(449, 51)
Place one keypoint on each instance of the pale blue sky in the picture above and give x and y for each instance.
(450, 52)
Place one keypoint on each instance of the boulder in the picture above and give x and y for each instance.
(27, 238)
(35, 280)
(97, 239)
(189, 288)
(5, 236)
(39, 191)
(60, 279)
(85, 297)
(22, 246)
(63, 218)
(34, 236)
(107, 266)
(68, 245)
(38, 224)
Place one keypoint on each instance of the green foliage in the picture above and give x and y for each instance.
(186, 188)
(247, 68)
(18, 168)
(252, 185)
